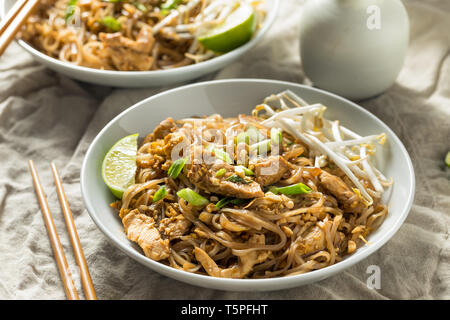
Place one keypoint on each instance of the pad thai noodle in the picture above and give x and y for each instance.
(130, 35)
(280, 192)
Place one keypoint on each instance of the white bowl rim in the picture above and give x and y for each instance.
(256, 283)
(269, 20)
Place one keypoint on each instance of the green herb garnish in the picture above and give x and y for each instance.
(236, 201)
(236, 179)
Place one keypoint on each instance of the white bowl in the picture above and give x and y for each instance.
(229, 98)
(147, 78)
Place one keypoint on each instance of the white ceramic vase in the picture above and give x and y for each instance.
(354, 48)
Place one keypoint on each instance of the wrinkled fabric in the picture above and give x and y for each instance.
(47, 117)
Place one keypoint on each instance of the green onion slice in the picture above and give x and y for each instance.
(70, 9)
(140, 6)
(294, 189)
(262, 147)
(247, 171)
(276, 136)
(111, 23)
(220, 154)
(192, 197)
(243, 137)
(221, 172)
(170, 4)
(160, 194)
(176, 167)
(447, 159)
(254, 134)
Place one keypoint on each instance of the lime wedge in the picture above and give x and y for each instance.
(119, 165)
(447, 159)
(236, 30)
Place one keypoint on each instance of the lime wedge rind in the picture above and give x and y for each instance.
(119, 165)
(237, 29)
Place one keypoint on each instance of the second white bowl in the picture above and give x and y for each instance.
(155, 78)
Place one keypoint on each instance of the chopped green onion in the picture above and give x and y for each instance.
(111, 23)
(236, 201)
(221, 172)
(160, 194)
(276, 136)
(176, 167)
(165, 12)
(262, 147)
(273, 189)
(220, 154)
(223, 202)
(70, 10)
(170, 4)
(140, 6)
(246, 170)
(236, 179)
(192, 197)
(254, 134)
(294, 189)
(447, 159)
(243, 137)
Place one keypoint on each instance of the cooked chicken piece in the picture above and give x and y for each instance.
(174, 227)
(271, 170)
(350, 200)
(239, 271)
(127, 54)
(204, 177)
(141, 228)
(314, 241)
(164, 128)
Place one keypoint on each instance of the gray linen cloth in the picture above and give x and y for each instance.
(47, 117)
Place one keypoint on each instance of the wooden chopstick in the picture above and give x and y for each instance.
(86, 280)
(11, 14)
(66, 276)
(13, 24)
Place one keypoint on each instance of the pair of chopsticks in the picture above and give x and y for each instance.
(13, 20)
(69, 287)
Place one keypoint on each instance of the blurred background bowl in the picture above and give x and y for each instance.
(155, 78)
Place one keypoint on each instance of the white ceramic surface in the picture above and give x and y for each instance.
(147, 78)
(229, 98)
(354, 48)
